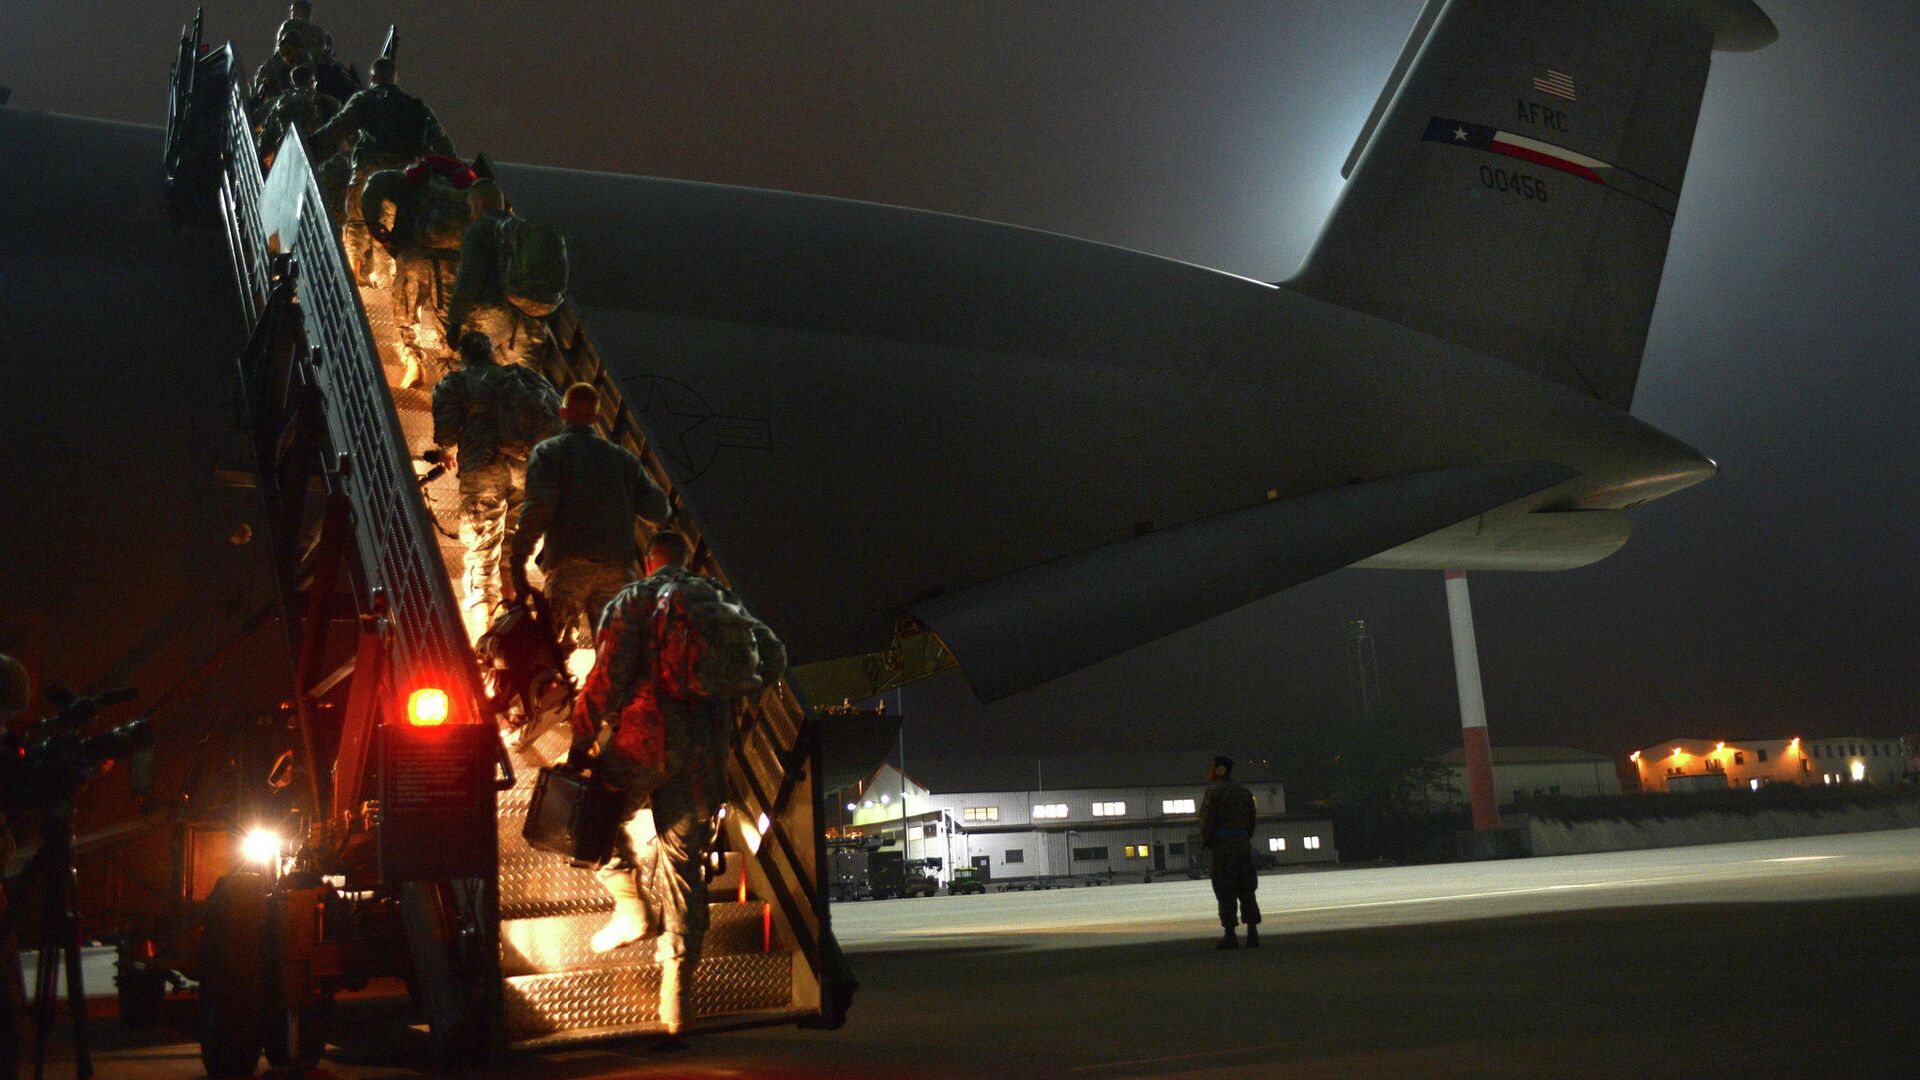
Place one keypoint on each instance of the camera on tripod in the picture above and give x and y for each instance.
(45, 766)
(41, 773)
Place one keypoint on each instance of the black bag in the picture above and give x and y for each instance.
(572, 815)
(524, 671)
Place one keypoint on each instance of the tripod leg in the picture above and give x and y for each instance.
(76, 995)
(46, 991)
(13, 990)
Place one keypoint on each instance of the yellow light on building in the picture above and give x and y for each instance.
(1635, 756)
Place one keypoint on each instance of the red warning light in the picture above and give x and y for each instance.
(427, 707)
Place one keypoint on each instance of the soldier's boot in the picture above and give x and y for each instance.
(676, 994)
(410, 361)
(1227, 940)
(629, 922)
(1253, 936)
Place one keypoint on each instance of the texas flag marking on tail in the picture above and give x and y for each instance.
(1492, 140)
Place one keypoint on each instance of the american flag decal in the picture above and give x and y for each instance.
(1557, 83)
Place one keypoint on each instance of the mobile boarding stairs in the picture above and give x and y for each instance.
(412, 863)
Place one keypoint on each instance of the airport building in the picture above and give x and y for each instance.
(1690, 764)
(1084, 815)
(1524, 772)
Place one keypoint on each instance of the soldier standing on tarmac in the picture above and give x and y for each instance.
(1226, 829)
(667, 752)
(583, 493)
(479, 297)
(492, 415)
(394, 127)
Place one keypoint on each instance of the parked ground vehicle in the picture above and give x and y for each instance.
(919, 879)
(965, 881)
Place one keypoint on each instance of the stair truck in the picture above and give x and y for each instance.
(408, 859)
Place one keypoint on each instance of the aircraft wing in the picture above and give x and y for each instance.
(1049, 620)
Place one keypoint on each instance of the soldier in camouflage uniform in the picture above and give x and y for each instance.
(583, 494)
(478, 301)
(275, 77)
(418, 216)
(303, 109)
(314, 42)
(492, 415)
(1227, 817)
(669, 755)
(394, 128)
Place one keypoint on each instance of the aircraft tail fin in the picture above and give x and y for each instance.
(1515, 186)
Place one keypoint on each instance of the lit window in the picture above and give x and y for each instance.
(980, 813)
(1278, 843)
(1050, 810)
(1176, 806)
(1138, 851)
(1109, 809)
(1310, 842)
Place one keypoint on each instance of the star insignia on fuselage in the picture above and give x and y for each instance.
(1459, 134)
(685, 429)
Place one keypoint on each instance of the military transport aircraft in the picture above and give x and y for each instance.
(1047, 451)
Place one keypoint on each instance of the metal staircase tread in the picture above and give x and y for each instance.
(601, 1002)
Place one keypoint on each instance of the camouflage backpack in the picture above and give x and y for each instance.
(533, 266)
(704, 645)
(525, 407)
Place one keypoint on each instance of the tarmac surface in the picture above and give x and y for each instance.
(1774, 958)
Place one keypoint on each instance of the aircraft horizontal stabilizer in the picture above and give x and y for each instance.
(1018, 631)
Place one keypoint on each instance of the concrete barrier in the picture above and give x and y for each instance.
(1551, 837)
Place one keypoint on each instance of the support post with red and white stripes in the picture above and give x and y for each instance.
(1473, 706)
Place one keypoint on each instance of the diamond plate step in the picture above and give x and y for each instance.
(562, 943)
(605, 1001)
(536, 884)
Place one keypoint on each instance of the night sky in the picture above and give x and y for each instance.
(1777, 598)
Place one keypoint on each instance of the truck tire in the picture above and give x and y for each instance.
(233, 976)
(313, 1022)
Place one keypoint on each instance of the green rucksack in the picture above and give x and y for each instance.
(525, 407)
(533, 266)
